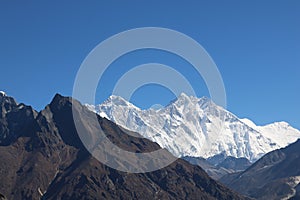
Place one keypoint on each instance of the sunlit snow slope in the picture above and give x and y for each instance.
(197, 127)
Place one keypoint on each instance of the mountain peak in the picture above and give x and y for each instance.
(184, 99)
(181, 99)
(201, 128)
(7, 102)
(14, 119)
(118, 101)
(2, 94)
(282, 124)
(191, 101)
(116, 98)
(183, 96)
(59, 100)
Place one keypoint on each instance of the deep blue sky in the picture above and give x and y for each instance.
(255, 44)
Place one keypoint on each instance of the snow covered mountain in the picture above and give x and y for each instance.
(280, 132)
(191, 126)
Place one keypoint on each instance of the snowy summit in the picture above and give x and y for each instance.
(191, 126)
(2, 94)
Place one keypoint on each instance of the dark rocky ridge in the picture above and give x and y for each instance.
(271, 177)
(213, 171)
(43, 157)
(14, 119)
(236, 164)
(229, 162)
(220, 165)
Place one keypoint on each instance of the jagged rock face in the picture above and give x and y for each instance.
(14, 119)
(46, 160)
(274, 176)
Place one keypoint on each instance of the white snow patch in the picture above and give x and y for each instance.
(103, 115)
(2, 93)
(293, 182)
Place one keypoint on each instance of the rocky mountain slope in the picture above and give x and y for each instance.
(42, 157)
(214, 171)
(275, 176)
(14, 118)
(196, 127)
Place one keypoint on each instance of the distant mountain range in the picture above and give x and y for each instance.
(220, 165)
(197, 127)
(42, 157)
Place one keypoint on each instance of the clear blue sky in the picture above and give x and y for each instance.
(255, 44)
